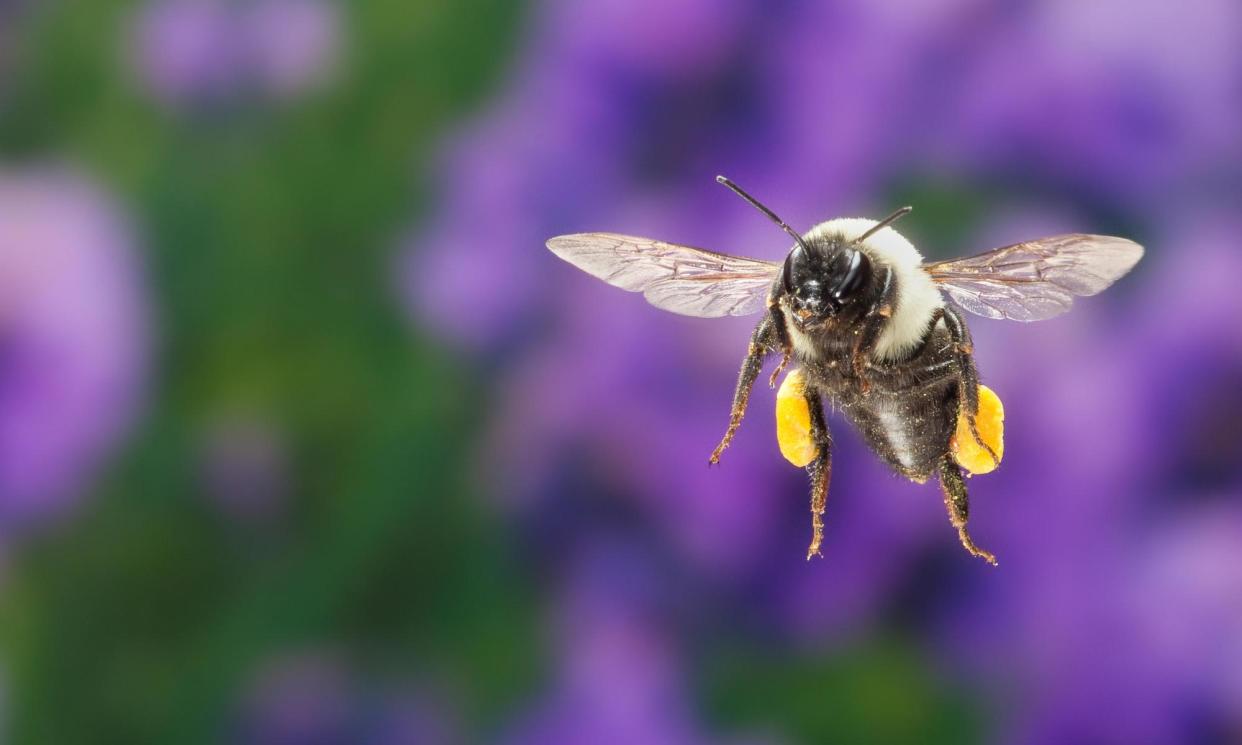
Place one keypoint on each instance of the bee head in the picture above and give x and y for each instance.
(823, 276)
(821, 280)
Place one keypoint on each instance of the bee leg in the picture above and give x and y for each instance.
(781, 336)
(967, 377)
(761, 342)
(957, 501)
(868, 331)
(780, 368)
(820, 471)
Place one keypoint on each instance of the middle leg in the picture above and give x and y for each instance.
(780, 336)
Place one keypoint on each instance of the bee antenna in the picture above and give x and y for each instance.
(899, 213)
(759, 206)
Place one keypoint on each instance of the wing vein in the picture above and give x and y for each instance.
(1038, 279)
(681, 279)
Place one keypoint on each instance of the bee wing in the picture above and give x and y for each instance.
(1038, 279)
(680, 279)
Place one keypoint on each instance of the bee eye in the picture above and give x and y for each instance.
(853, 276)
(796, 256)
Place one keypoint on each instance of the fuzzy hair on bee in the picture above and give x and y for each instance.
(917, 298)
(873, 330)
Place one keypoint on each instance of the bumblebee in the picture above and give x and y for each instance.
(866, 323)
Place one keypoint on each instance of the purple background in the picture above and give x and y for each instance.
(306, 438)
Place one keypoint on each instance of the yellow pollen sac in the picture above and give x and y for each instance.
(990, 421)
(793, 421)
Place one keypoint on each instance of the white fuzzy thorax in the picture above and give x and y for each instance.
(917, 296)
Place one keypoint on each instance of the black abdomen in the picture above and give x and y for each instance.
(911, 410)
(910, 430)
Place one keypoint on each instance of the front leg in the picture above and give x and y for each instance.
(781, 336)
(967, 376)
(870, 327)
(819, 469)
(763, 342)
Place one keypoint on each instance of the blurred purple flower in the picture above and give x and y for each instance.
(201, 53)
(1116, 100)
(619, 676)
(187, 51)
(693, 36)
(292, 44)
(1185, 602)
(73, 336)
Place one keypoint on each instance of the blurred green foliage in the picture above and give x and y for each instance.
(878, 691)
(270, 235)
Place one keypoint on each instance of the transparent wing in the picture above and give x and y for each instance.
(680, 279)
(1038, 279)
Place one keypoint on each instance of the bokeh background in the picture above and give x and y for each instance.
(306, 438)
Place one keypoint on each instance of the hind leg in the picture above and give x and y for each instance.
(957, 501)
(967, 377)
(820, 471)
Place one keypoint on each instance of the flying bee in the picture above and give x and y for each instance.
(867, 323)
